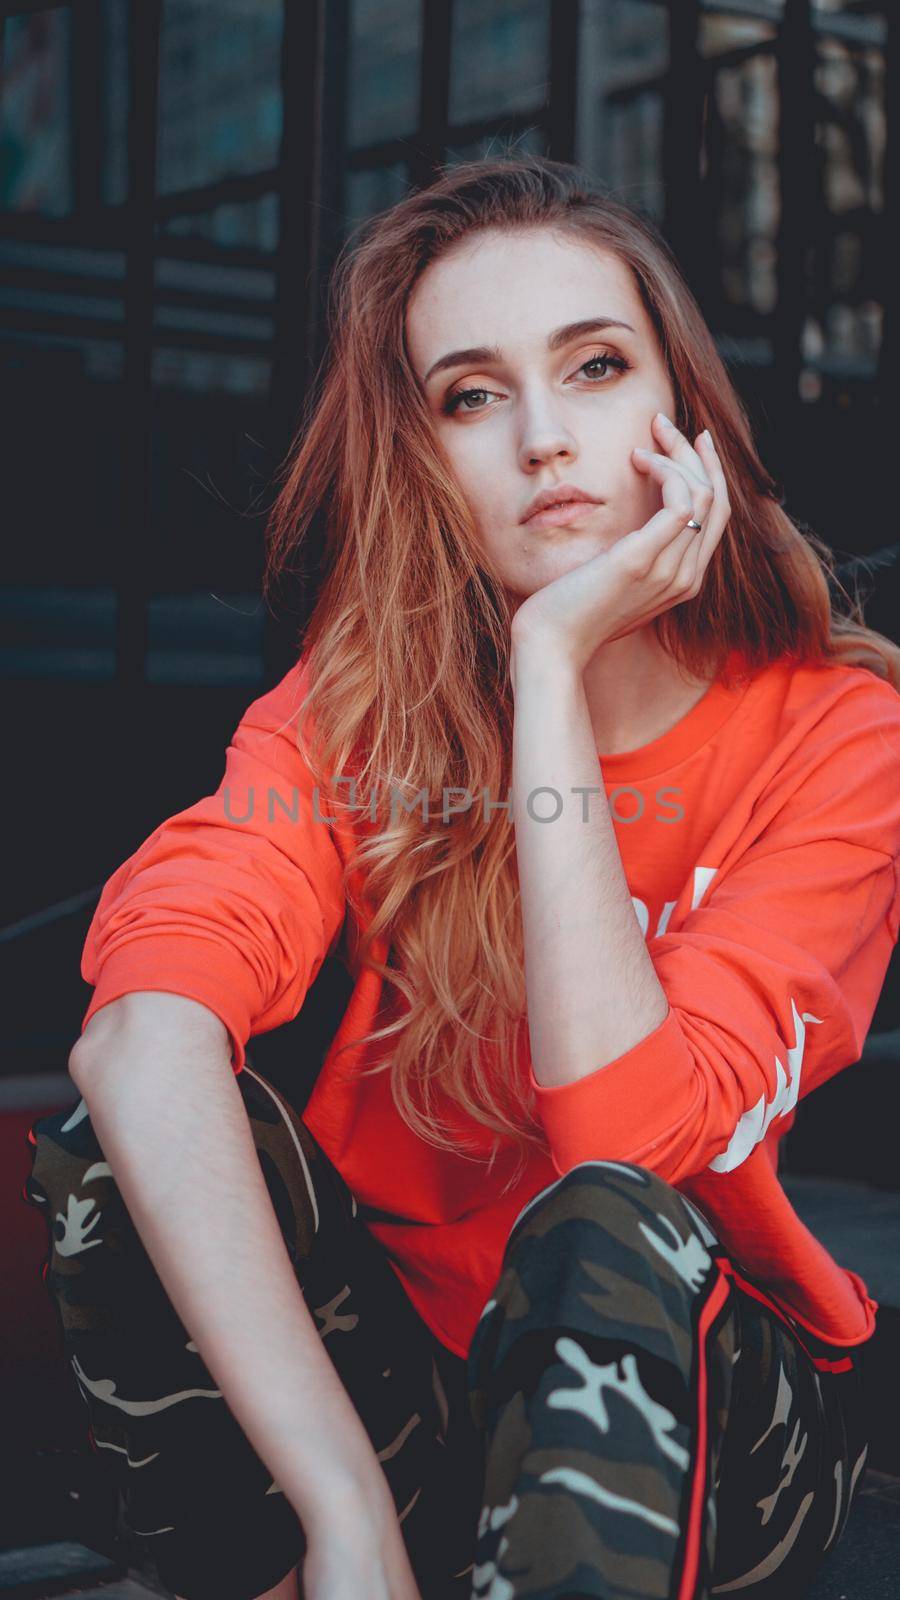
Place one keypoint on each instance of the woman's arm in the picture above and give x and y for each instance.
(593, 993)
(592, 989)
(151, 1066)
(235, 901)
(771, 962)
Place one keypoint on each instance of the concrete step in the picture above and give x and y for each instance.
(64, 1567)
(866, 1563)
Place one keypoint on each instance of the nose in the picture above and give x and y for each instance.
(545, 448)
(544, 436)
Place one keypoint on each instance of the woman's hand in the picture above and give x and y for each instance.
(647, 571)
(356, 1548)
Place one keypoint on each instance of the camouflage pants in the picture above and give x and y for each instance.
(633, 1420)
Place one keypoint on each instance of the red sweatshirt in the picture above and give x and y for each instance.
(760, 838)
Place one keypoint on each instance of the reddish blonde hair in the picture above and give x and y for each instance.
(408, 642)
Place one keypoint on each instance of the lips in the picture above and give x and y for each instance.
(564, 494)
(562, 513)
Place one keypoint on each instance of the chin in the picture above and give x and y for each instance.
(565, 556)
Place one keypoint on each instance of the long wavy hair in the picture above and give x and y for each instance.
(407, 646)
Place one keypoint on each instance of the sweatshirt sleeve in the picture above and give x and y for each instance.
(772, 976)
(236, 900)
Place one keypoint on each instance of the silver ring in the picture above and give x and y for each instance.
(693, 524)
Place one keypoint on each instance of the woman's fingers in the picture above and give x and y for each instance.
(721, 502)
(666, 531)
(669, 475)
(675, 444)
(692, 478)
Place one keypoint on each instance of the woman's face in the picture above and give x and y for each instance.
(540, 417)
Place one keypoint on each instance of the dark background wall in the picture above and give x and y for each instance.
(175, 179)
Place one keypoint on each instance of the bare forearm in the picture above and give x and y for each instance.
(155, 1074)
(592, 989)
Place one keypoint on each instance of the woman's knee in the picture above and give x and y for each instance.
(599, 1190)
(605, 1226)
(610, 1253)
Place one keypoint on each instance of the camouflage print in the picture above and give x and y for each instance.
(212, 1519)
(656, 1430)
(570, 1455)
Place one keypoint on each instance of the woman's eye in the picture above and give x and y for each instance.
(459, 396)
(616, 362)
(453, 401)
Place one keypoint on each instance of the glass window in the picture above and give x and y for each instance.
(115, 92)
(499, 57)
(373, 190)
(35, 114)
(742, 141)
(844, 331)
(384, 70)
(533, 141)
(219, 90)
(211, 371)
(252, 224)
(66, 301)
(224, 307)
(53, 632)
(635, 150)
(623, 54)
(205, 638)
(724, 32)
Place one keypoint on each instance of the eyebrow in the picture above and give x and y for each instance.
(478, 354)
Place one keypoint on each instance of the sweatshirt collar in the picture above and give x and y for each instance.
(693, 730)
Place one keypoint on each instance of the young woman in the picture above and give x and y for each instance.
(593, 787)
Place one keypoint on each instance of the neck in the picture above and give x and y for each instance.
(636, 692)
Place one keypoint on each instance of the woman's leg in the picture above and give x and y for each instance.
(793, 1458)
(213, 1521)
(603, 1372)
